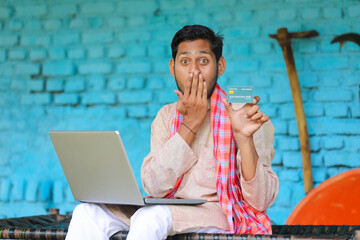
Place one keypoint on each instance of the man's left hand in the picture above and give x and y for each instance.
(246, 120)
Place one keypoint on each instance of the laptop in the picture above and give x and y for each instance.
(98, 170)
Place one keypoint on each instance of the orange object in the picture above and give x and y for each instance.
(336, 201)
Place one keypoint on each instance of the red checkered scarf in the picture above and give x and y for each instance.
(242, 218)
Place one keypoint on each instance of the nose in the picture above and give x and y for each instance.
(194, 68)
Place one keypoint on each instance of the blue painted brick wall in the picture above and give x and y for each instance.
(101, 65)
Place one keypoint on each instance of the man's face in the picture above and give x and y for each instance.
(196, 57)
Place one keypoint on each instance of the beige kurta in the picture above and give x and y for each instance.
(170, 158)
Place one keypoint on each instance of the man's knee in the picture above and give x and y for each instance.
(151, 215)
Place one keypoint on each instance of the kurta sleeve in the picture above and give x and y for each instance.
(169, 158)
(261, 191)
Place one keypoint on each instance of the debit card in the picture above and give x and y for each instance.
(240, 94)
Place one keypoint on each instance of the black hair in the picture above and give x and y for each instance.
(195, 32)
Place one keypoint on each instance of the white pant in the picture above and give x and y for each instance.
(95, 221)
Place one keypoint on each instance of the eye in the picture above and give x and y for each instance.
(184, 61)
(203, 61)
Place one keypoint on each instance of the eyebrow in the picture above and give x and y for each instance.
(199, 52)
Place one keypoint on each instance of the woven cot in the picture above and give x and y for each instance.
(54, 226)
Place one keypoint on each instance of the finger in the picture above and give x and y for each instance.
(179, 95)
(204, 91)
(257, 116)
(188, 85)
(264, 118)
(254, 109)
(256, 99)
(227, 105)
(200, 87)
(194, 85)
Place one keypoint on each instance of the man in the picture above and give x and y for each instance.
(200, 148)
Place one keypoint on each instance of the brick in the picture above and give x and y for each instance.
(33, 24)
(319, 174)
(116, 52)
(137, 111)
(166, 97)
(290, 175)
(76, 53)
(343, 126)
(2, 55)
(262, 47)
(58, 192)
(136, 21)
(98, 98)
(15, 25)
(117, 83)
(281, 96)
(317, 160)
(136, 51)
(66, 39)
(327, 47)
(52, 24)
(156, 51)
(27, 10)
(288, 144)
(307, 47)
(332, 172)
(36, 85)
(342, 159)
(55, 85)
(242, 32)
(31, 191)
(298, 193)
(136, 82)
(308, 81)
(135, 97)
(173, 6)
(76, 23)
(287, 112)
(153, 109)
(97, 37)
(285, 192)
(274, 66)
(292, 159)
(134, 67)
(336, 110)
(27, 68)
(352, 143)
(329, 63)
(59, 68)
(9, 40)
(5, 188)
(243, 15)
(278, 215)
(76, 84)
(315, 144)
(5, 12)
(115, 22)
(240, 49)
(155, 83)
(66, 98)
(16, 54)
(202, 18)
(94, 68)
(96, 22)
(354, 11)
(45, 190)
(223, 17)
(332, 13)
(38, 98)
(333, 143)
(328, 95)
(242, 65)
(37, 54)
(63, 9)
(95, 83)
(213, 3)
(95, 52)
(97, 8)
(33, 40)
(136, 7)
(310, 13)
(18, 190)
(138, 36)
(287, 14)
(56, 53)
(314, 110)
(355, 110)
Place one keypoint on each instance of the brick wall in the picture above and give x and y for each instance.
(103, 65)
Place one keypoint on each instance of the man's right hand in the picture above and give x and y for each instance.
(193, 104)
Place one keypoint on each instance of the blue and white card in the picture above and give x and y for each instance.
(240, 94)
